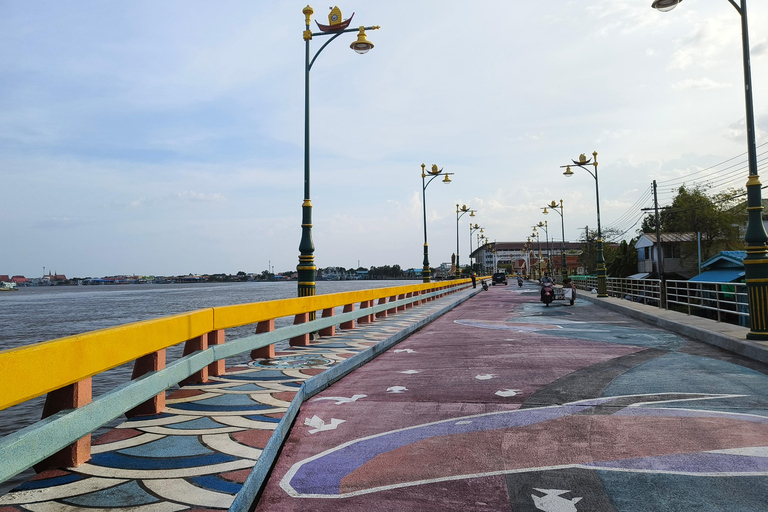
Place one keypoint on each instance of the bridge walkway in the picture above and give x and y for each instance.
(199, 453)
(504, 404)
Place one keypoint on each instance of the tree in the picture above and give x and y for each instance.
(624, 261)
(718, 218)
(588, 257)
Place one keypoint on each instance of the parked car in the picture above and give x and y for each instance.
(499, 277)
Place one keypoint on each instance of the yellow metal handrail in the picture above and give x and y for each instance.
(74, 358)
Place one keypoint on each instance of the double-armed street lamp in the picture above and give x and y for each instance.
(459, 214)
(756, 261)
(546, 235)
(602, 289)
(433, 173)
(472, 229)
(482, 240)
(307, 271)
(559, 210)
(535, 234)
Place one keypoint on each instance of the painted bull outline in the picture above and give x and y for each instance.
(464, 424)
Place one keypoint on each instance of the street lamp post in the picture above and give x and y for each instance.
(602, 289)
(549, 254)
(559, 210)
(538, 240)
(756, 262)
(464, 209)
(433, 173)
(472, 229)
(307, 271)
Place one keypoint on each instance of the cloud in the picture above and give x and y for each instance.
(197, 197)
(703, 84)
(760, 48)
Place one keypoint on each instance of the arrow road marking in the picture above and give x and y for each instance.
(508, 392)
(397, 389)
(406, 350)
(318, 425)
(341, 399)
(553, 502)
(410, 372)
(486, 376)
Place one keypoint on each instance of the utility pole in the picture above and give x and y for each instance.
(659, 252)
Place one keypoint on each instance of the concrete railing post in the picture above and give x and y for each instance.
(401, 297)
(193, 345)
(267, 352)
(303, 339)
(149, 363)
(366, 319)
(69, 397)
(382, 314)
(328, 331)
(348, 308)
(216, 368)
(393, 310)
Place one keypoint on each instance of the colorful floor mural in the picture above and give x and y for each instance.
(503, 404)
(196, 455)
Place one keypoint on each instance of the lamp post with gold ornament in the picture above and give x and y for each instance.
(433, 173)
(472, 229)
(602, 274)
(307, 270)
(559, 210)
(459, 214)
(756, 261)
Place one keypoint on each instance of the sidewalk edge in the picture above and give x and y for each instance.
(743, 347)
(253, 485)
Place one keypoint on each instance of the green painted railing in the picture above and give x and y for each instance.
(72, 361)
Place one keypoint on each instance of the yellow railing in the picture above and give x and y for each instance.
(75, 358)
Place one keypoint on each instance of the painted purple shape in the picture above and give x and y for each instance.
(323, 474)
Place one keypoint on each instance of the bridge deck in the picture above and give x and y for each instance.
(197, 454)
(504, 404)
(500, 403)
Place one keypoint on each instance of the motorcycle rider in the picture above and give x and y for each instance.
(545, 279)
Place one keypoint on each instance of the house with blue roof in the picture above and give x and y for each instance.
(726, 267)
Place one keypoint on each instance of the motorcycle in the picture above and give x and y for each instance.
(548, 294)
(520, 282)
(485, 286)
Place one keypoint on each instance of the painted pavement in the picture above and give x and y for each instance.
(196, 455)
(503, 404)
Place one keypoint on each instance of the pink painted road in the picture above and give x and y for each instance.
(503, 404)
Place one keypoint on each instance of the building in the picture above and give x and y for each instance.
(671, 249)
(513, 256)
(726, 267)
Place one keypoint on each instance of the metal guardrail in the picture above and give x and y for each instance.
(91, 353)
(725, 302)
(720, 298)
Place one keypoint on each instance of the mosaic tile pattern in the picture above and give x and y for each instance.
(196, 455)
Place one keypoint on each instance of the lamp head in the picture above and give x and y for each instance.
(447, 179)
(665, 5)
(553, 204)
(568, 172)
(472, 213)
(583, 158)
(545, 211)
(362, 45)
(435, 170)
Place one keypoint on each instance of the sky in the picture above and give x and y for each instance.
(166, 138)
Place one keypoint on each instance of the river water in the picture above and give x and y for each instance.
(37, 314)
